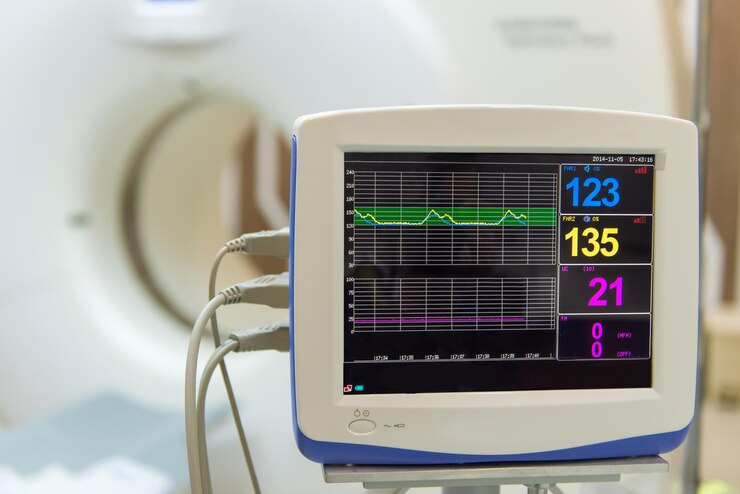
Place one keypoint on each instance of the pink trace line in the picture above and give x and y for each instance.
(457, 319)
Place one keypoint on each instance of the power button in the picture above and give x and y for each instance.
(361, 426)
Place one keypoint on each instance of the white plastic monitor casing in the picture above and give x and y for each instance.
(489, 425)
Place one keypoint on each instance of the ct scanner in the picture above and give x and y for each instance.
(136, 136)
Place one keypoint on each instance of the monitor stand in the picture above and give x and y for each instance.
(486, 478)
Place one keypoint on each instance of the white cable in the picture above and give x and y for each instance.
(266, 337)
(225, 374)
(271, 290)
(191, 367)
(274, 243)
(205, 378)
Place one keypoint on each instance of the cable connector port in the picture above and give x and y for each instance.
(267, 337)
(269, 243)
(270, 290)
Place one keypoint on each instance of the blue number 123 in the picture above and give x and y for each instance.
(610, 184)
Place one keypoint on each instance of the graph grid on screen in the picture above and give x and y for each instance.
(453, 304)
(447, 218)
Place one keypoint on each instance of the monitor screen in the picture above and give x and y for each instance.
(473, 272)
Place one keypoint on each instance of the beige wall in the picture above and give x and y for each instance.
(724, 138)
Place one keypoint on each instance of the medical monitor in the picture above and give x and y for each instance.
(493, 283)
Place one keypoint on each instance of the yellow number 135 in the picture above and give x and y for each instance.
(607, 245)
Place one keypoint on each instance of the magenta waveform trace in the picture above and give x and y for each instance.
(455, 319)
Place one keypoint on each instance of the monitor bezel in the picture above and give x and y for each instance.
(555, 419)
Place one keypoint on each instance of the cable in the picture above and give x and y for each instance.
(216, 359)
(271, 290)
(266, 242)
(191, 366)
(274, 243)
(266, 337)
(225, 374)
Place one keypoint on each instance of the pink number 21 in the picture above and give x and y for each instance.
(596, 300)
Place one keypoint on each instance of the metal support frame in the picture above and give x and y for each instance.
(690, 478)
(539, 477)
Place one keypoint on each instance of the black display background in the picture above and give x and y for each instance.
(620, 333)
(635, 189)
(635, 239)
(532, 367)
(575, 292)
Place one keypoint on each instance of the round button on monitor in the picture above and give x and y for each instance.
(361, 426)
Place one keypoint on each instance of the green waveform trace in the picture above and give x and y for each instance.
(458, 216)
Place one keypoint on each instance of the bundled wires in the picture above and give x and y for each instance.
(270, 290)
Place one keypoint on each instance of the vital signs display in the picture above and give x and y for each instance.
(497, 272)
(490, 283)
